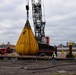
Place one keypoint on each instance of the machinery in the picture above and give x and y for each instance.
(28, 44)
(39, 26)
(5, 49)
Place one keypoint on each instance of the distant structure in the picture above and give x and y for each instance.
(70, 55)
(73, 44)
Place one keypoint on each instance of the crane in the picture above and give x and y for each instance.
(39, 25)
(27, 44)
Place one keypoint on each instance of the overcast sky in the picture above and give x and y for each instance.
(60, 17)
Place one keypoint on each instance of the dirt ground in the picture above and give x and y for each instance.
(36, 67)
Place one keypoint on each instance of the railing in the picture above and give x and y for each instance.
(66, 48)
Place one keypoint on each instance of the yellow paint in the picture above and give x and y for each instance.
(62, 51)
(0, 54)
(27, 44)
(67, 52)
(70, 43)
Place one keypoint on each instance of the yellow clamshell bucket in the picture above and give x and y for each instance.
(27, 44)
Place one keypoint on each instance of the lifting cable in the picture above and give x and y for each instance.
(44, 12)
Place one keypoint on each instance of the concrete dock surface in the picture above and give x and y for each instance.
(37, 67)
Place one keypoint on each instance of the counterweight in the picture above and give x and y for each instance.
(39, 25)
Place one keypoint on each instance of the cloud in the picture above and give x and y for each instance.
(60, 16)
(60, 21)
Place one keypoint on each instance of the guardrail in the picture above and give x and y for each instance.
(66, 48)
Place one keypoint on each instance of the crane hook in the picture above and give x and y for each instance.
(27, 8)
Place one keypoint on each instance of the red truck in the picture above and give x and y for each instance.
(5, 49)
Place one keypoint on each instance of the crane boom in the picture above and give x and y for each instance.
(39, 25)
